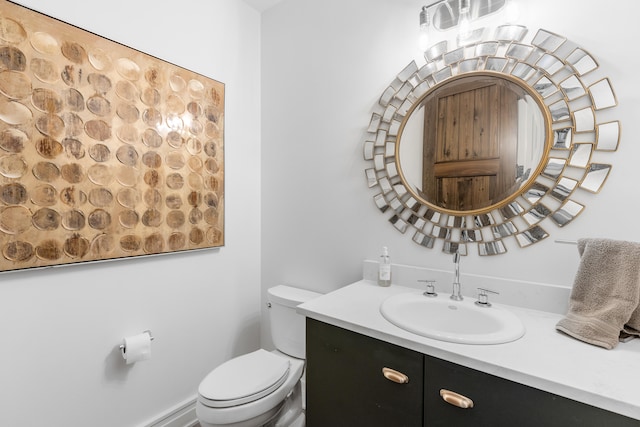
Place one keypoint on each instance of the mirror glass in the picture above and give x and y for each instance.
(472, 143)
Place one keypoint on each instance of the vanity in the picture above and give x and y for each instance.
(364, 370)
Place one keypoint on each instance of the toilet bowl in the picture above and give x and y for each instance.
(261, 388)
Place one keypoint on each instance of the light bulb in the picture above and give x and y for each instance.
(511, 11)
(423, 38)
(464, 24)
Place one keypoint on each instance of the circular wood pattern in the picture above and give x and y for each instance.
(12, 58)
(46, 101)
(98, 130)
(174, 139)
(128, 69)
(211, 166)
(152, 117)
(73, 148)
(13, 140)
(99, 82)
(99, 105)
(127, 176)
(73, 173)
(154, 244)
(73, 197)
(100, 174)
(175, 160)
(44, 195)
(130, 243)
(15, 219)
(102, 245)
(127, 155)
(50, 125)
(127, 91)
(128, 198)
(196, 89)
(46, 171)
(152, 178)
(44, 43)
(49, 250)
(44, 70)
(174, 105)
(100, 60)
(72, 75)
(13, 166)
(100, 197)
(175, 181)
(212, 183)
(195, 216)
(213, 235)
(73, 124)
(151, 159)
(196, 236)
(14, 113)
(73, 100)
(99, 152)
(152, 218)
(195, 181)
(194, 199)
(195, 109)
(13, 194)
(14, 84)
(176, 241)
(48, 148)
(76, 246)
(151, 138)
(128, 218)
(177, 83)
(128, 133)
(175, 219)
(99, 219)
(46, 219)
(11, 31)
(155, 77)
(173, 201)
(74, 52)
(194, 147)
(211, 216)
(73, 220)
(150, 97)
(129, 113)
(18, 251)
(152, 198)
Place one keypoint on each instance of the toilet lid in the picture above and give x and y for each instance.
(244, 379)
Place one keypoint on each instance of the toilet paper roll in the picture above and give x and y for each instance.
(136, 348)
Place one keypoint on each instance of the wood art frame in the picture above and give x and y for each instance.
(105, 152)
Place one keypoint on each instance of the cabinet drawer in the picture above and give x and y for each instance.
(502, 403)
(345, 384)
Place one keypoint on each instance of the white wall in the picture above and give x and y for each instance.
(60, 328)
(325, 64)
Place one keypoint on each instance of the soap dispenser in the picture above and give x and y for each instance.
(384, 268)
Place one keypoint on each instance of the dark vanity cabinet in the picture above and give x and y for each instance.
(346, 387)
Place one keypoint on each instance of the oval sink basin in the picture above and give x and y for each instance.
(444, 319)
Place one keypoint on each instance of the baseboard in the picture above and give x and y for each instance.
(181, 415)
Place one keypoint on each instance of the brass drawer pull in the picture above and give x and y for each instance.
(395, 376)
(456, 399)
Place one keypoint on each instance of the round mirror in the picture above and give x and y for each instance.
(473, 143)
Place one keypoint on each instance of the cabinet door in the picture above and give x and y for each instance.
(346, 386)
(501, 403)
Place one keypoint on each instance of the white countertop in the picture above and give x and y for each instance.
(543, 358)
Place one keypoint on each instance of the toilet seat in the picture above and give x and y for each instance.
(244, 379)
(248, 414)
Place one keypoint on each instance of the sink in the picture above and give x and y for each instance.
(444, 319)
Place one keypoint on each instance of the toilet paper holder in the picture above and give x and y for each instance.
(124, 347)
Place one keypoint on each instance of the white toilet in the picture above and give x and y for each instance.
(262, 388)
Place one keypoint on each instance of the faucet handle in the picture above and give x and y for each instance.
(483, 297)
(431, 288)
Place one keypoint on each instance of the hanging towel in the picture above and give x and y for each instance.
(605, 298)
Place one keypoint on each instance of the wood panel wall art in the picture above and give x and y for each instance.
(105, 152)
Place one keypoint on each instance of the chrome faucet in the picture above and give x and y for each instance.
(456, 295)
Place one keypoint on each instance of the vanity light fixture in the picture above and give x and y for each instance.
(464, 21)
(423, 40)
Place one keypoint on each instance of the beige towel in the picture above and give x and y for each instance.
(605, 298)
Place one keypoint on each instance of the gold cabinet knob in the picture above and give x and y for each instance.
(395, 376)
(456, 399)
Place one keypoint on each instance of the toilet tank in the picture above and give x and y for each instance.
(287, 326)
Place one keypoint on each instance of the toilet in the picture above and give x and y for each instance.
(262, 388)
